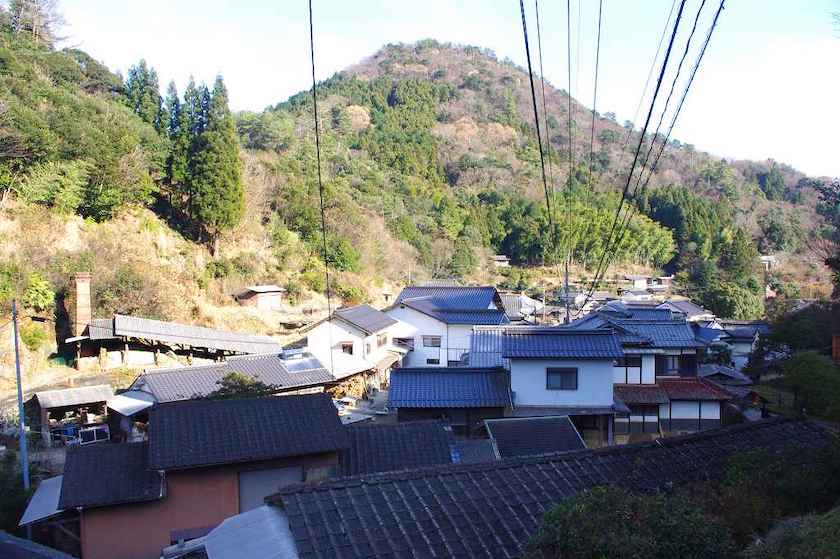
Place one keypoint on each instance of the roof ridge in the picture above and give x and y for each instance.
(508, 463)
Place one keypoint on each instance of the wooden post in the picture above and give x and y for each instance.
(125, 354)
(78, 356)
(157, 356)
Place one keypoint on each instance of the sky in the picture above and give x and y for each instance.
(768, 86)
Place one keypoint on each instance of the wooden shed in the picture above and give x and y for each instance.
(264, 297)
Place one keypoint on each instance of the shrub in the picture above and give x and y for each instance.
(239, 385)
(816, 381)
(614, 523)
(39, 295)
(808, 536)
(32, 335)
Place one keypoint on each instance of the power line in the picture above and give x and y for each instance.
(545, 109)
(537, 123)
(652, 169)
(571, 163)
(320, 183)
(595, 94)
(598, 269)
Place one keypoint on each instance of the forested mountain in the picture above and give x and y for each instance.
(430, 163)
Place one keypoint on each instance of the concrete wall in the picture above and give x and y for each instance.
(595, 383)
(194, 499)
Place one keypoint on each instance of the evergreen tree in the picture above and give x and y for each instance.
(216, 173)
(177, 163)
(143, 94)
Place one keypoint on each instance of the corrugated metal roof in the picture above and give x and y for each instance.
(44, 502)
(486, 347)
(445, 387)
(184, 383)
(74, 396)
(533, 436)
(557, 343)
(209, 432)
(101, 329)
(262, 533)
(365, 318)
(194, 336)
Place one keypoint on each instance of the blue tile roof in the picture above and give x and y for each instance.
(558, 343)
(456, 305)
(449, 387)
(662, 334)
(486, 347)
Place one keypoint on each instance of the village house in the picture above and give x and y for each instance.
(478, 510)
(283, 373)
(263, 297)
(690, 310)
(360, 340)
(205, 460)
(443, 318)
(520, 308)
(124, 340)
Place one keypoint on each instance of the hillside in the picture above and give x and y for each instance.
(430, 163)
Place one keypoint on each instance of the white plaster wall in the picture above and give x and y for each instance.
(595, 383)
(459, 337)
(330, 334)
(426, 326)
(648, 368)
(685, 409)
(645, 375)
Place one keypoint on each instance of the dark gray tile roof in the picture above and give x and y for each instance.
(107, 474)
(195, 336)
(199, 433)
(449, 387)
(365, 318)
(556, 343)
(475, 451)
(491, 510)
(184, 383)
(686, 307)
(532, 436)
(12, 547)
(727, 375)
(398, 446)
(74, 396)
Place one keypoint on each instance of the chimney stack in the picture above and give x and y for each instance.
(82, 314)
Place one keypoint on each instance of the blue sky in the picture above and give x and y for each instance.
(768, 87)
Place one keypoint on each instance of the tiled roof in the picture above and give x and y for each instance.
(707, 335)
(430, 306)
(195, 336)
(745, 333)
(475, 451)
(556, 343)
(184, 383)
(491, 510)
(534, 435)
(662, 334)
(452, 297)
(620, 309)
(692, 389)
(208, 432)
(640, 394)
(686, 307)
(107, 474)
(449, 387)
(74, 396)
(486, 347)
(733, 376)
(365, 318)
(399, 446)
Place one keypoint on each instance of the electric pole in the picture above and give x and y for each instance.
(24, 458)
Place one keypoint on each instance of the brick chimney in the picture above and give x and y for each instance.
(82, 311)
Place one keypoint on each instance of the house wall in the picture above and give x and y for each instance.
(595, 383)
(199, 498)
(688, 415)
(426, 326)
(330, 334)
(644, 375)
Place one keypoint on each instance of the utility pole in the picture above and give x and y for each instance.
(24, 458)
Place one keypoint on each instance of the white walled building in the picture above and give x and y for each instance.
(443, 318)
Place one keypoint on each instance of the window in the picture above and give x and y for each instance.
(667, 365)
(381, 340)
(561, 379)
(432, 361)
(632, 365)
(367, 348)
(347, 347)
(629, 361)
(431, 341)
